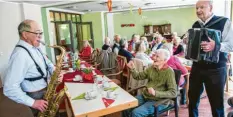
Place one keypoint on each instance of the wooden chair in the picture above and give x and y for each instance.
(93, 58)
(163, 101)
(117, 76)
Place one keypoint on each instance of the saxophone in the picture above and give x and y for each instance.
(51, 96)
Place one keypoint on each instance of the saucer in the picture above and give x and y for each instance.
(70, 71)
(113, 97)
(78, 78)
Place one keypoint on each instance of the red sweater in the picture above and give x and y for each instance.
(85, 52)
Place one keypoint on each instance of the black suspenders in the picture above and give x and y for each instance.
(37, 67)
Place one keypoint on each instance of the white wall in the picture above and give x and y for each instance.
(11, 15)
(222, 8)
(110, 25)
(31, 11)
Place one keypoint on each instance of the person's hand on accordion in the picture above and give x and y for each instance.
(208, 46)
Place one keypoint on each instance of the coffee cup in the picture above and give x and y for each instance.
(111, 94)
(78, 78)
(106, 84)
(71, 70)
(91, 94)
(99, 79)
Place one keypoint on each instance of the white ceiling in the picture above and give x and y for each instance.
(117, 5)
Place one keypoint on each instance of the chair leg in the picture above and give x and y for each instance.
(176, 109)
(156, 113)
(183, 96)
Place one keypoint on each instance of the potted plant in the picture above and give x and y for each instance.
(87, 73)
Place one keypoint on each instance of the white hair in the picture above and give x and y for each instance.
(168, 46)
(144, 38)
(174, 34)
(107, 40)
(137, 38)
(166, 54)
(178, 40)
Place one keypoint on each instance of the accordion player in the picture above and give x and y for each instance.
(194, 51)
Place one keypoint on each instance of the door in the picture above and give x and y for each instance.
(64, 35)
(84, 32)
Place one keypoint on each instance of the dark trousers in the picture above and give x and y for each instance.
(214, 81)
(36, 96)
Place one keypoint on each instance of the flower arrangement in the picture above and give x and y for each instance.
(78, 64)
(87, 73)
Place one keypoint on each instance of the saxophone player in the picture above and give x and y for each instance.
(26, 77)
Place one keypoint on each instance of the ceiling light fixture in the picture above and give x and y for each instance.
(150, 4)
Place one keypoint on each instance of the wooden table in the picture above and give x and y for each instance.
(96, 107)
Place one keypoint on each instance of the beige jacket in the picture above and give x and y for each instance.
(138, 67)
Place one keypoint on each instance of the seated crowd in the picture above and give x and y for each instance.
(159, 58)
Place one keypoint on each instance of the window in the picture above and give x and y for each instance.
(63, 16)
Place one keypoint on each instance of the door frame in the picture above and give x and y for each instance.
(71, 33)
(91, 31)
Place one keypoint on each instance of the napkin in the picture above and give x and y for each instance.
(111, 88)
(81, 96)
(107, 102)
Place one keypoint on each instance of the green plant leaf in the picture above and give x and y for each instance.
(81, 96)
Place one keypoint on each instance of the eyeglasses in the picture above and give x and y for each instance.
(36, 33)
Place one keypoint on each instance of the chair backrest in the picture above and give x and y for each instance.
(132, 83)
(94, 55)
(106, 59)
(122, 61)
(177, 76)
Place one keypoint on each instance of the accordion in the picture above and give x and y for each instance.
(194, 51)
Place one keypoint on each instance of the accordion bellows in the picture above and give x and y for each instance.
(194, 51)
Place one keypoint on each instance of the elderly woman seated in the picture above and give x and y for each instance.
(123, 50)
(135, 39)
(161, 84)
(175, 63)
(106, 45)
(116, 45)
(140, 54)
(144, 39)
(158, 42)
(86, 50)
(178, 49)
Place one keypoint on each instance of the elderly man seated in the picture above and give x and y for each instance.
(161, 84)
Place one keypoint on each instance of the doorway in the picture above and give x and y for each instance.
(71, 35)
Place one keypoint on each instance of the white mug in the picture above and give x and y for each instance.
(111, 94)
(93, 93)
(71, 69)
(78, 78)
(106, 84)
